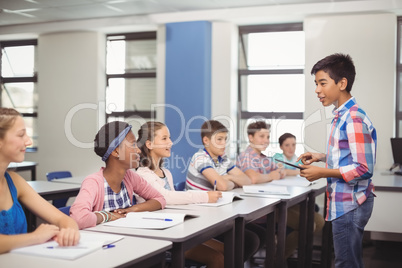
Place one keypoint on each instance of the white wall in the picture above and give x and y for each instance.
(370, 39)
(224, 78)
(71, 86)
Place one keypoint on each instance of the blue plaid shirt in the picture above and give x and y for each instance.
(351, 149)
(115, 200)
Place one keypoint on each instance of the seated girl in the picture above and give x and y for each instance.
(107, 195)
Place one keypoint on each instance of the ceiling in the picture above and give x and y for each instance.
(19, 12)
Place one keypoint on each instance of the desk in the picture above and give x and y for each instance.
(297, 195)
(72, 180)
(317, 188)
(246, 210)
(25, 165)
(385, 221)
(129, 252)
(50, 191)
(184, 236)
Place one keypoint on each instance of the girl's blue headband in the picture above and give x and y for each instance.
(116, 142)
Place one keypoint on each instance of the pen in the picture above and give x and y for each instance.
(108, 246)
(215, 186)
(57, 247)
(160, 219)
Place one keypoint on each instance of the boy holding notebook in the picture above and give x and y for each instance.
(350, 159)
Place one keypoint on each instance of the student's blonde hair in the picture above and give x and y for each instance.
(7, 120)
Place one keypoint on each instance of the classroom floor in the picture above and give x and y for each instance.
(376, 254)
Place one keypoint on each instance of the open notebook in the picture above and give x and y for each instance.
(89, 242)
(149, 220)
(227, 198)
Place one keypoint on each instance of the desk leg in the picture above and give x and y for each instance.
(270, 240)
(310, 229)
(178, 258)
(240, 225)
(33, 174)
(326, 248)
(281, 235)
(229, 248)
(301, 253)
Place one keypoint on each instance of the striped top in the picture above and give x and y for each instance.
(201, 161)
(351, 149)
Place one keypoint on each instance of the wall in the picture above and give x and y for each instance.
(370, 39)
(71, 87)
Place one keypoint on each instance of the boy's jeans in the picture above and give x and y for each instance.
(347, 233)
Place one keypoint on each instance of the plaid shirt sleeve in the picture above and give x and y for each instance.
(362, 145)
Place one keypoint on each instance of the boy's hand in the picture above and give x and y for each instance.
(308, 158)
(312, 173)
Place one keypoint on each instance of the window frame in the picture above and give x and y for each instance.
(244, 115)
(22, 79)
(150, 35)
(398, 113)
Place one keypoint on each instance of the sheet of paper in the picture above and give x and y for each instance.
(292, 181)
(265, 189)
(88, 243)
(148, 220)
(227, 198)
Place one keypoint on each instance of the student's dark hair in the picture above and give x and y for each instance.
(285, 136)
(7, 120)
(212, 127)
(252, 128)
(147, 132)
(337, 66)
(106, 135)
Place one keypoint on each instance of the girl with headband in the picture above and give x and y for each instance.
(108, 194)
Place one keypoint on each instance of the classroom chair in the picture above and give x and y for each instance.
(180, 186)
(65, 210)
(58, 203)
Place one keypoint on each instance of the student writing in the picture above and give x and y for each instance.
(155, 144)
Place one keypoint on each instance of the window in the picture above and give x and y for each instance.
(271, 81)
(18, 82)
(398, 98)
(131, 77)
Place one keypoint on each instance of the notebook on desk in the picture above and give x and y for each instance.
(88, 243)
(264, 189)
(227, 198)
(150, 220)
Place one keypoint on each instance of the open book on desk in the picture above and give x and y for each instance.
(88, 243)
(227, 198)
(149, 220)
(292, 181)
(264, 189)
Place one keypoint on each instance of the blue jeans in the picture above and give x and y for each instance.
(347, 232)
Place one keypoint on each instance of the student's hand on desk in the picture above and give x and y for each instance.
(275, 175)
(312, 173)
(45, 232)
(68, 237)
(213, 196)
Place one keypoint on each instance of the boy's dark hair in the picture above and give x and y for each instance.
(257, 126)
(337, 66)
(106, 135)
(285, 136)
(212, 127)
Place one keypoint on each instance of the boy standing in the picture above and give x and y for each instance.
(350, 159)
